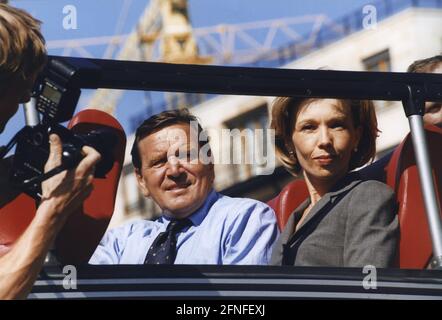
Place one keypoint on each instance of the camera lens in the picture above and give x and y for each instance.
(103, 140)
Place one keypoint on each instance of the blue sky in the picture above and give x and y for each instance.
(99, 18)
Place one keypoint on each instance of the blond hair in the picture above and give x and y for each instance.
(22, 50)
(285, 111)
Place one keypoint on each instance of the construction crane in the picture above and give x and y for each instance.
(164, 33)
(164, 20)
(178, 44)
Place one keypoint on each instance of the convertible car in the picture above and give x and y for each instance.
(413, 170)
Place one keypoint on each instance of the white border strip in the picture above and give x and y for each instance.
(324, 282)
(227, 294)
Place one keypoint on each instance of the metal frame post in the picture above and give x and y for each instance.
(414, 109)
(31, 114)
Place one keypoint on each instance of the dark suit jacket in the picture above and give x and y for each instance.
(352, 226)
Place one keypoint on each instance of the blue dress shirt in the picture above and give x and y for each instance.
(225, 230)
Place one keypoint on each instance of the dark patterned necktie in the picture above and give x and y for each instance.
(163, 249)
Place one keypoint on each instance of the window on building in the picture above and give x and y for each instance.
(253, 144)
(133, 199)
(378, 62)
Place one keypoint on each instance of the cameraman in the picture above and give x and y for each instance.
(22, 56)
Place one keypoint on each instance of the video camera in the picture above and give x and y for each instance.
(56, 95)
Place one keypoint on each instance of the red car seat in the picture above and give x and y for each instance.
(84, 229)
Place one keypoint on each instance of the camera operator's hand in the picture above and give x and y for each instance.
(62, 194)
(66, 191)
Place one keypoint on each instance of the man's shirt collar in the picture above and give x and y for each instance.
(198, 216)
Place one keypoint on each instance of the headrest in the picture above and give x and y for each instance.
(84, 229)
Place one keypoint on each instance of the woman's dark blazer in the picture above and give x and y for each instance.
(354, 225)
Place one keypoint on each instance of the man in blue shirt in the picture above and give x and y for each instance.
(198, 225)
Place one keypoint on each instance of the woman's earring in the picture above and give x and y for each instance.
(292, 154)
